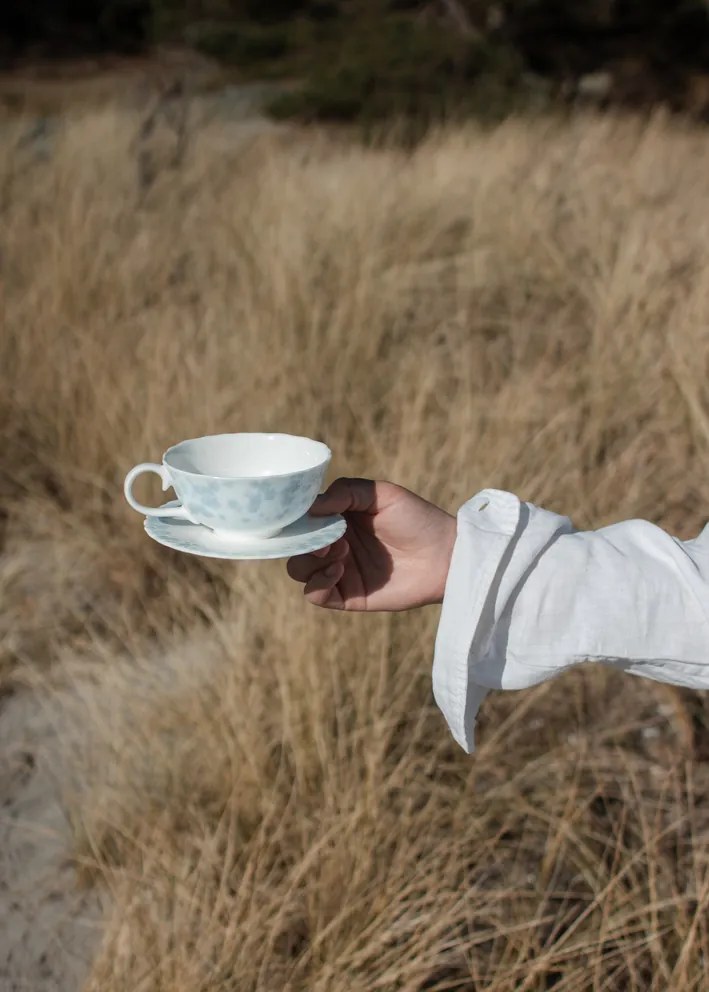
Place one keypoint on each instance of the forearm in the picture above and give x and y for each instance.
(528, 596)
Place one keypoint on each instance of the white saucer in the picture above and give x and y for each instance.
(300, 538)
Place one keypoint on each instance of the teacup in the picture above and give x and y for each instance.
(248, 485)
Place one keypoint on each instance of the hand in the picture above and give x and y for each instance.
(395, 554)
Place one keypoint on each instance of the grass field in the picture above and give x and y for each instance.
(267, 792)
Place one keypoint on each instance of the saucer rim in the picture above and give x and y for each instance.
(260, 545)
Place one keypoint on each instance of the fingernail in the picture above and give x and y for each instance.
(331, 571)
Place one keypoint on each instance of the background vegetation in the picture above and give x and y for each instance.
(266, 796)
(268, 793)
(370, 59)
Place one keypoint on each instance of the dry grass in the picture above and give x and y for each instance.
(269, 792)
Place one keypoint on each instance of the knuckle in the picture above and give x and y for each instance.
(339, 486)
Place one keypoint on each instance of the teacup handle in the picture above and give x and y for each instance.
(151, 511)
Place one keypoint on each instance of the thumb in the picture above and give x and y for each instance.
(347, 496)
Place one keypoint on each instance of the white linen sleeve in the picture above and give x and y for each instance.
(529, 596)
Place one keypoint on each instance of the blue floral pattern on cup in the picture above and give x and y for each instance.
(248, 505)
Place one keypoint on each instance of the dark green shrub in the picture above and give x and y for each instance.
(400, 67)
(241, 43)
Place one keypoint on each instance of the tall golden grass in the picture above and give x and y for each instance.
(268, 792)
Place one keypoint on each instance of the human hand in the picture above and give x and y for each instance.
(395, 554)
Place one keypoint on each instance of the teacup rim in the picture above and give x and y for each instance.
(327, 456)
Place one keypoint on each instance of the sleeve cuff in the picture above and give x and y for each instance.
(486, 527)
(498, 538)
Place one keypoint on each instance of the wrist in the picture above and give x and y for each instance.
(444, 556)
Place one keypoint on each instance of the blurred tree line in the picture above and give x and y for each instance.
(374, 58)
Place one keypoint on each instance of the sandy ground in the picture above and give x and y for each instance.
(49, 927)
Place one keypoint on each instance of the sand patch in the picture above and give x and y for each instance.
(49, 926)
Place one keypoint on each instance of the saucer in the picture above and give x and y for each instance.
(299, 538)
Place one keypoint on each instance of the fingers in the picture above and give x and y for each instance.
(321, 571)
(321, 589)
(345, 496)
(303, 567)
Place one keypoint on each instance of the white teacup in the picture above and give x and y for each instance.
(250, 485)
